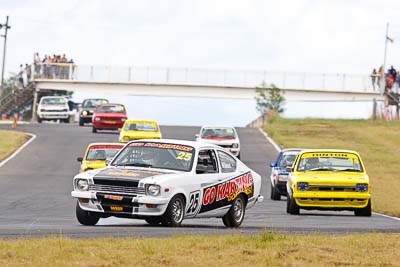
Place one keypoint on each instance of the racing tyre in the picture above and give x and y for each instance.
(173, 216)
(287, 204)
(235, 215)
(85, 217)
(365, 212)
(294, 209)
(153, 220)
(238, 156)
(94, 130)
(39, 120)
(274, 193)
(81, 122)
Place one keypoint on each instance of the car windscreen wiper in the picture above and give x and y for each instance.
(321, 169)
(347, 170)
(137, 164)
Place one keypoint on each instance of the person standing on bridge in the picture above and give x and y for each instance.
(380, 75)
(374, 75)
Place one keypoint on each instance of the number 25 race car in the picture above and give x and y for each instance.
(166, 181)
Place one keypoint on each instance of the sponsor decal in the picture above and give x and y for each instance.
(222, 194)
(94, 147)
(163, 145)
(112, 197)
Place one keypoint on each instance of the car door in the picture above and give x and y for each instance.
(207, 173)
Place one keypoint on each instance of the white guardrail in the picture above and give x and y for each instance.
(204, 77)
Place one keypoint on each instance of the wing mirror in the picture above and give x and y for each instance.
(108, 162)
(201, 167)
(197, 136)
(272, 164)
(79, 159)
(289, 168)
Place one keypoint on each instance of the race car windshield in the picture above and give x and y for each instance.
(345, 162)
(92, 103)
(218, 133)
(111, 109)
(287, 159)
(101, 154)
(156, 155)
(53, 101)
(145, 127)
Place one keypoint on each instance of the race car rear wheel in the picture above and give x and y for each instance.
(274, 193)
(294, 209)
(153, 220)
(235, 215)
(85, 217)
(94, 130)
(366, 212)
(173, 216)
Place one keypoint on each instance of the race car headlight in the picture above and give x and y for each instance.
(82, 185)
(125, 138)
(235, 145)
(302, 186)
(153, 190)
(96, 118)
(362, 187)
(123, 119)
(84, 113)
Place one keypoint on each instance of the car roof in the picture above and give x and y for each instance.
(55, 96)
(217, 126)
(335, 150)
(292, 149)
(105, 144)
(195, 144)
(147, 121)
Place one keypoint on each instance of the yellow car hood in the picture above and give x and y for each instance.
(331, 177)
(95, 164)
(141, 134)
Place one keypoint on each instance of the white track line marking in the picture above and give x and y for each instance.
(33, 137)
(276, 146)
(272, 142)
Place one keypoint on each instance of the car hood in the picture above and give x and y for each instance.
(281, 170)
(132, 173)
(110, 115)
(95, 164)
(219, 141)
(141, 134)
(330, 177)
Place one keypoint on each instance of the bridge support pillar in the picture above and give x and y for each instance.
(34, 106)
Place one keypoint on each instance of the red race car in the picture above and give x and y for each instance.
(108, 117)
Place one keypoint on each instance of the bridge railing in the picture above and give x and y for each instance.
(206, 77)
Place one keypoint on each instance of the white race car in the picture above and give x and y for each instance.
(223, 136)
(166, 181)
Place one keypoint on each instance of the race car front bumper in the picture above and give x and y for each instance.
(53, 115)
(121, 205)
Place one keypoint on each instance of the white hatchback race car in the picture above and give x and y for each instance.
(223, 136)
(166, 181)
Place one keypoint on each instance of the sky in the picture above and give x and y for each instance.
(341, 36)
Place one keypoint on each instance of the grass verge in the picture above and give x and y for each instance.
(10, 141)
(378, 143)
(266, 249)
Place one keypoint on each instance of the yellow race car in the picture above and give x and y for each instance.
(97, 154)
(328, 179)
(139, 129)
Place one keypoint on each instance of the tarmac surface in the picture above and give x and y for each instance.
(36, 185)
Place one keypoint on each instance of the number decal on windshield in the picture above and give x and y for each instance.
(184, 156)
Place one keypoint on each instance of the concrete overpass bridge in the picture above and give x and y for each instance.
(185, 82)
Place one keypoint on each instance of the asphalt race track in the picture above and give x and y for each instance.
(35, 189)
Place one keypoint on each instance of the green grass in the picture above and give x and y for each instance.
(236, 250)
(378, 142)
(10, 141)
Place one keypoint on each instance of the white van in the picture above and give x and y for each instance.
(53, 108)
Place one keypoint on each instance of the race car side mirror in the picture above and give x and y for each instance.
(108, 162)
(272, 164)
(289, 168)
(79, 159)
(196, 136)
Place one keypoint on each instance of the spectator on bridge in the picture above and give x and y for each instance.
(380, 75)
(374, 75)
(36, 63)
(28, 71)
(392, 72)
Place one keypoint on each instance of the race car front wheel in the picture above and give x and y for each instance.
(153, 220)
(235, 215)
(173, 216)
(292, 207)
(85, 217)
(366, 212)
(274, 193)
(94, 130)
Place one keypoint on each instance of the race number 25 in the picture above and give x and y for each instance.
(194, 201)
